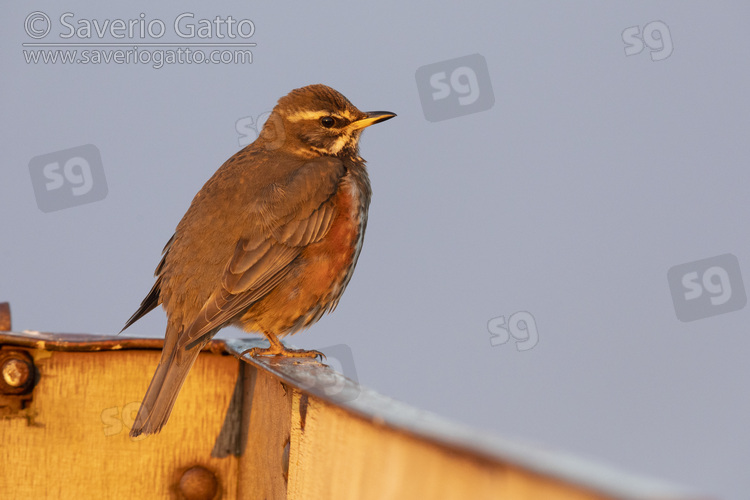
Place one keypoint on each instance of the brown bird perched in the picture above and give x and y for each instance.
(268, 244)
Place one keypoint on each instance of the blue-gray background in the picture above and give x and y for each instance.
(570, 198)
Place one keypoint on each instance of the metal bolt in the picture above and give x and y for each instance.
(16, 372)
(198, 483)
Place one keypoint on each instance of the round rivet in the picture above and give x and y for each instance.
(198, 483)
(16, 372)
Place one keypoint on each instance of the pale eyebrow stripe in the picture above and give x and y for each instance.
(314, 115)
(306, 115)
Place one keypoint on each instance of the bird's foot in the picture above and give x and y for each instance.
(280, 350)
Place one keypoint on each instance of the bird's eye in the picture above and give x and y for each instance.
(327, 121)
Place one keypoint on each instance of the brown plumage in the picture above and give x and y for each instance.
(268, 244)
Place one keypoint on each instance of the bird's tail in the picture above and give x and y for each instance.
(162, 393)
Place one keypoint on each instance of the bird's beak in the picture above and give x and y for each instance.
(371, 118)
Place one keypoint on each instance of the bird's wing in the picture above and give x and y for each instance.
(288, 217)
(153, 298)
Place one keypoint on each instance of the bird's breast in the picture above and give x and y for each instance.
(330, 262)
(322, 270)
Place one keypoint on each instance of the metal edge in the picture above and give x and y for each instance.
(76, 342)
(396, 415)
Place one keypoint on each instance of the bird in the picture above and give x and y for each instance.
(268, 244)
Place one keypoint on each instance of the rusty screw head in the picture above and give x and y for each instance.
(198, 483)
(16, 372)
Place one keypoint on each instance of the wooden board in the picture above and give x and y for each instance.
(343, 457)
(78, 445)
(266, 428)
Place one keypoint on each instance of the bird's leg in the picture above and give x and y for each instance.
(278, 349)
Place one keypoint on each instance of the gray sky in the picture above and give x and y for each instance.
(553, 181)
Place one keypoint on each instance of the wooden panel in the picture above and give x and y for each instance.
(335, 455)
(266, 413)
(267, 428)
(5, 322)
(363, 442)
(78, 446)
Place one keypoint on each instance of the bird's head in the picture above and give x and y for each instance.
(317, 120)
